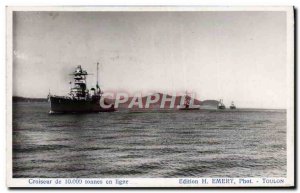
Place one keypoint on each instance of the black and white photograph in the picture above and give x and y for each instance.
(150, 96)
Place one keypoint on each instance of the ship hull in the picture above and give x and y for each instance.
(68, 105)
(189, 109)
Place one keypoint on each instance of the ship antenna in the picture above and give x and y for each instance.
(97, 74)
(97, 85)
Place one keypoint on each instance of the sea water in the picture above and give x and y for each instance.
(197, 143)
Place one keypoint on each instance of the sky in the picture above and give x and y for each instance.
(237, 56)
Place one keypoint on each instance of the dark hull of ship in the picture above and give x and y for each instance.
(68, 105)
(189, 108)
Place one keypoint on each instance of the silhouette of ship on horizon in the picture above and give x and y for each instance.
(232, 106)
(221, 104)
(187, 103)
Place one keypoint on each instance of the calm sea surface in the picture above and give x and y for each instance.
(240, 143)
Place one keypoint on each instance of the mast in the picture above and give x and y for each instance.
(97, 85)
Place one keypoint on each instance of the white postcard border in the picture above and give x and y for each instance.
(153, 182)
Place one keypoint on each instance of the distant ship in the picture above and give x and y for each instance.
(186, 105)
(80, 99)
(232, 106)
(221, 105)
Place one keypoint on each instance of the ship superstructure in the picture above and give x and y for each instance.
(232, 106)
(187, 103)
(221, 104)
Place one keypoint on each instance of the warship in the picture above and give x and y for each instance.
(221, 105)
(232, 106)
(186, 105)
(79, 99)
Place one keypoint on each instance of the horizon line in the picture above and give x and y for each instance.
(264, 108)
